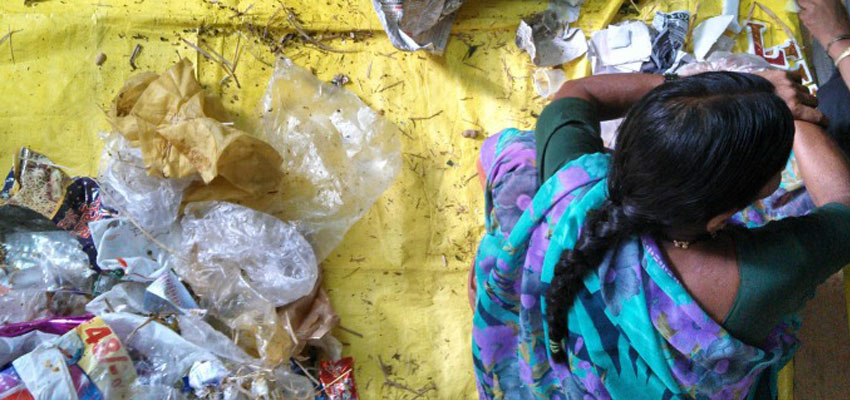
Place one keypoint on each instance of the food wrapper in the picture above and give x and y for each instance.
(36, 183)
(86, 362)
(181, 131)
(413, 25)
(55, 325)
(337, 379)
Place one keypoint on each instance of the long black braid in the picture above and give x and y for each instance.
(687, 151)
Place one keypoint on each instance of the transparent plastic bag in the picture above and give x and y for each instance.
(273, 257)
(339, 155)
(726, 61)
(151, 201)
(242, 264)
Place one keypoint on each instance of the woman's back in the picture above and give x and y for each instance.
(581, 291)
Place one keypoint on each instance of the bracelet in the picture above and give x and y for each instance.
(670, 76)
(842, 56)
(835, 39)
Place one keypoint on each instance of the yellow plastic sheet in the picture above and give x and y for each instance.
(398, 279)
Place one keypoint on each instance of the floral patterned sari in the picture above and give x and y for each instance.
(634, 331)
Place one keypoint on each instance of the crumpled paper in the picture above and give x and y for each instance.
(182, 131)
(709, 36)
(309, 318)
(670, 31)
(549, 40)
(415, 25)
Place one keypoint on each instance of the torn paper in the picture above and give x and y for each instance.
(415, 25)
(624, 58)
(549, 41)
(566, 11)
(670, 31)
(730, 7)
(708, 33)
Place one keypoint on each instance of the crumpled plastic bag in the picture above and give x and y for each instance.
(725, 61)
(182, 131)
(339, 155)
(242, 264)
(270, 255)
(153, 202)
(49, 261)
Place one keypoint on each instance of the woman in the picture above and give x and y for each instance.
(620, 276)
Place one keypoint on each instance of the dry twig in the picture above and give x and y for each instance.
(8, 37)
(292, 21)
(351, 331)
(426, 118)
(136, 51)
(227, 66)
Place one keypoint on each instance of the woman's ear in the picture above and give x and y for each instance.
(719, 221)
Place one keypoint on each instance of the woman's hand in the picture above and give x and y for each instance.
(796, 96)
(825, 19)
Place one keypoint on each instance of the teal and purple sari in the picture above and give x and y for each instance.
(634, 332)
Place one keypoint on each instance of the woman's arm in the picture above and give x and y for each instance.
(612, 94)
(827, 20)
(823, 167)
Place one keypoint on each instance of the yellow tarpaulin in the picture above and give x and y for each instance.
(398, 279)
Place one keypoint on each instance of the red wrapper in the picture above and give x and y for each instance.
(338, 379)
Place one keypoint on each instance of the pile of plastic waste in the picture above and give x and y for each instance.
(189, 268)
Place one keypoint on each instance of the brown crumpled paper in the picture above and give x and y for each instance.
(309, 318)
(182, 131)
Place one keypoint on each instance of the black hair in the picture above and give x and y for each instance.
(689, 150)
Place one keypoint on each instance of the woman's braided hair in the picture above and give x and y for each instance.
(689, 150)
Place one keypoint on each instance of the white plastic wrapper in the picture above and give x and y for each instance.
(272, 257)
(152, 202)
(160, 355)
(13, 347)
(51, 261)
(196, 331)
(121, 245)
(339, 155)
(125, 297)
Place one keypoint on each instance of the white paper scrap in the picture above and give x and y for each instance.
(708, 32)
(730, 7)
(618, 37)
(638, 50)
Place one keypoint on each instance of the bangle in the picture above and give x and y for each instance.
(835, 39)
(670, 76)
(842, 56)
